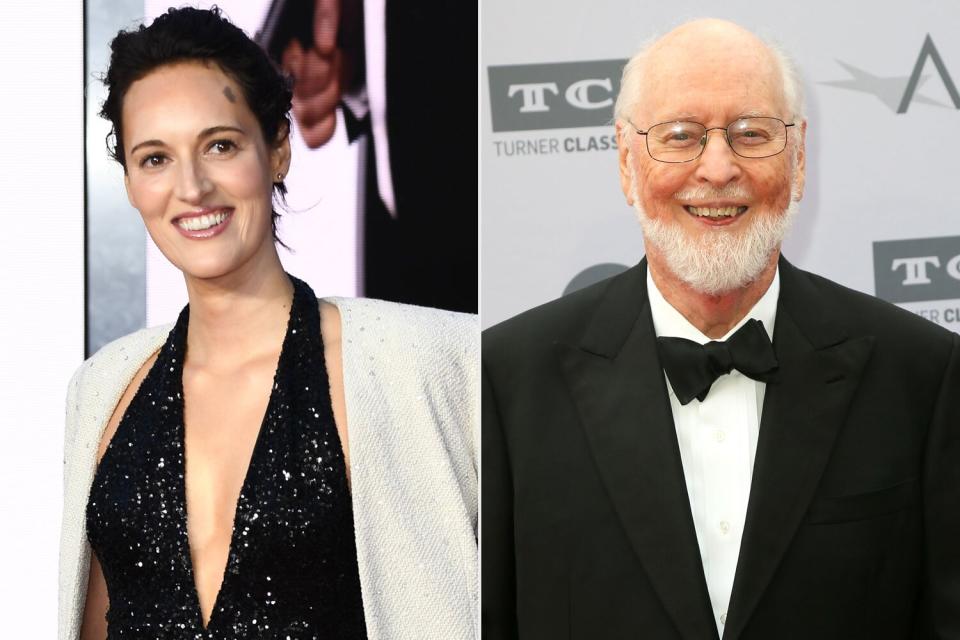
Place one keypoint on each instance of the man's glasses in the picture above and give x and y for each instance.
(685, 141)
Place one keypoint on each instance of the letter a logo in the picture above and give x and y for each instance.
(929, 51)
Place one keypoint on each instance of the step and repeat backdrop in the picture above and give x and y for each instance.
(881, 212)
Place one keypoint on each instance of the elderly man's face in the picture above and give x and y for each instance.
(712, 85)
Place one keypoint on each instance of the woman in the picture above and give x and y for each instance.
(325, 452)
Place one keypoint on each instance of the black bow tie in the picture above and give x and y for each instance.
(692, 368)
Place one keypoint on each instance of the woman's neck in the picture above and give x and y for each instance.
(239, 316)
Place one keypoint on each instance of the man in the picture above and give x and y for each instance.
(378, 61)
(639, 485)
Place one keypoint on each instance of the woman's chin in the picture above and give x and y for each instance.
(208, 268)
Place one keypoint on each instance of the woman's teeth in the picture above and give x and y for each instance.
(716, 212)
(199, 223)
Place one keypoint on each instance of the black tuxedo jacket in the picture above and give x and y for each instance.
(853, 523)
(427, 255)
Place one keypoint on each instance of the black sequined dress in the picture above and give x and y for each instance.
(292, 565)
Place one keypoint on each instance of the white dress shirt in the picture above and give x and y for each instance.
(718, 443)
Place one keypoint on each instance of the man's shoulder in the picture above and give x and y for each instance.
(560, 320)
(864, 314)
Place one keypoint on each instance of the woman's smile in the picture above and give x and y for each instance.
(204, 224)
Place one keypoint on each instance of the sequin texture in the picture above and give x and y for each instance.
(292, 567)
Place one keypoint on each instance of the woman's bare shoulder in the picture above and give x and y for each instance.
(330, 322)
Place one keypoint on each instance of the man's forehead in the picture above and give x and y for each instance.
(699, 96)
(700, 70)
(709, 36)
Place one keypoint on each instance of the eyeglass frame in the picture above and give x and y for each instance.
(705, 138)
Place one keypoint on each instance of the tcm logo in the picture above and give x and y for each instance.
(553, 96)
(898, 92)
(917, 270)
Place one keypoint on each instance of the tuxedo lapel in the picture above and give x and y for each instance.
(804, 408)
(617, 383)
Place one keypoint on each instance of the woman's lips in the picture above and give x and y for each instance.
(207, 224)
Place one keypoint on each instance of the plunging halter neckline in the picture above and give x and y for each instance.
(232, 546)
(291, 564)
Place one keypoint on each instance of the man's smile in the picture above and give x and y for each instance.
(727, 211)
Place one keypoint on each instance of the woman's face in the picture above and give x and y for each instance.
(199, 170)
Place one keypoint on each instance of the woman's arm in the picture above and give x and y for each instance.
(333, 357)
(95, 611)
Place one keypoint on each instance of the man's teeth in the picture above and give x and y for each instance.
(199, 223)
(716, 212)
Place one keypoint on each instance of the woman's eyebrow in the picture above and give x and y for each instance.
(147, 143)
(220, 129)
(209, 131)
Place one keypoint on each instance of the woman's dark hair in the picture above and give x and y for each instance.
(201, 35)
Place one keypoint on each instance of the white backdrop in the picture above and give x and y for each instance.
(41, 289)
(552, 206)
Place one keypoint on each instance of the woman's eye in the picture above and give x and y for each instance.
(223, 146)
(152, 160)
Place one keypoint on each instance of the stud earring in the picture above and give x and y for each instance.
(279, 177)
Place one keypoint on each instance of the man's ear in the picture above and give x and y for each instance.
(623, 151)
(800, 172)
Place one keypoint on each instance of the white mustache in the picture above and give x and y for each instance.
(710, 194)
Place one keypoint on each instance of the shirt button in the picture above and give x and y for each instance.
(721, 435)
(723, 618)
(724, 527)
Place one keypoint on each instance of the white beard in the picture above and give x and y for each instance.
(719, 260)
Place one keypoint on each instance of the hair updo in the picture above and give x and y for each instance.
(205, 36)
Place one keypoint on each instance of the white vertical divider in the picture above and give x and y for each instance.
(41, 294)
